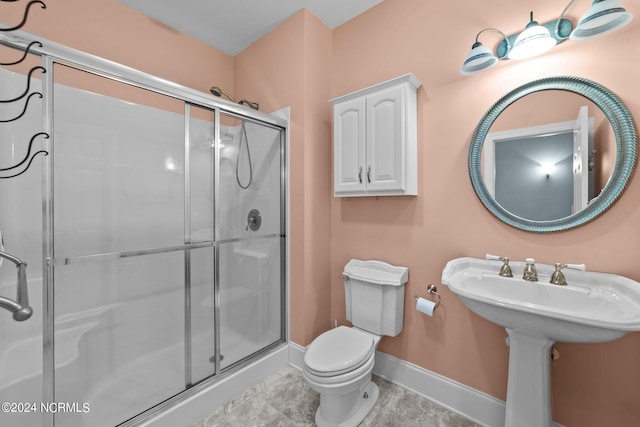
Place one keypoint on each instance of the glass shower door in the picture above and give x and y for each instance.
(119, 263)
(250, 238)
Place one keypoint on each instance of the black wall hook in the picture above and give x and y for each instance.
(24, 18)
(28, 84)
(24, 110)
(28, 165)
(26, 52)
(46, 135)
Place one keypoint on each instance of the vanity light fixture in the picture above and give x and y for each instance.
(603, 17)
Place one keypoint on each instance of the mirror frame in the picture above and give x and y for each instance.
(626, 141)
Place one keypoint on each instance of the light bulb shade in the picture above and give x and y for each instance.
(604, 17)
(534, 40)
(479, 58)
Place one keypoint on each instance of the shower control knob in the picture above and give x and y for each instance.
(254, 220)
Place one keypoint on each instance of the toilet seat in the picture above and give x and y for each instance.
(339, 351)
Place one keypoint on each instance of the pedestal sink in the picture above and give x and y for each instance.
(593, 307)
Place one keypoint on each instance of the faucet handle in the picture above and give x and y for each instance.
(505, 270)
(581, 267)
(557, 278)
(495, 257)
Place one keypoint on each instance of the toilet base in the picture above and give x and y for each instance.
(365, 401)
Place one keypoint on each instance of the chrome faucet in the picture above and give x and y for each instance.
(557, 277)
(530, 272)
(505, 270)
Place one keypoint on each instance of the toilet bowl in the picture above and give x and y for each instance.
(338, 364)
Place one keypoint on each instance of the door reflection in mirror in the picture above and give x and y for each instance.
(539, 168)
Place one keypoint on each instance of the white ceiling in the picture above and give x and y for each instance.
(232, 25)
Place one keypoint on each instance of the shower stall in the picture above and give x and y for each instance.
(151, 218)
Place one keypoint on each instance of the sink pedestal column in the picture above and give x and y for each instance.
(528, 389)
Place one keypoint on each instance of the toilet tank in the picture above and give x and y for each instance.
(374, 294)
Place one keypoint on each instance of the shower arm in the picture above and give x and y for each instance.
(251, 104)
(215, 90)
(20, 308)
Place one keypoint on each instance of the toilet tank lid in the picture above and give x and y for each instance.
(375, 271)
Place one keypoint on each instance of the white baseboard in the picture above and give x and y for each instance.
(481, 407)
(296, 355)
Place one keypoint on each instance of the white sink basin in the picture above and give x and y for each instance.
(593, 307)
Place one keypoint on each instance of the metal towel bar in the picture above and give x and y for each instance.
(20, 308)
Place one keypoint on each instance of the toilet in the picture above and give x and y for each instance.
(338, 364)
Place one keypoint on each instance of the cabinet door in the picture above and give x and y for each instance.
(384, 169)
(349, 146)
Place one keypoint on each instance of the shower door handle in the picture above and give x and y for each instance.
(20, 308)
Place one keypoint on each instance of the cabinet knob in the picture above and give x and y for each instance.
(369, 174)
(360, 174)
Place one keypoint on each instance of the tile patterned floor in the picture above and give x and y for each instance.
(285, 400)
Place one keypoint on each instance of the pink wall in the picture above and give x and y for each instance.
(113, 31)
(593, 384)
(302, 64)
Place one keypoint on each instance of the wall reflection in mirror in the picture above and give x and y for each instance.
(548, 155)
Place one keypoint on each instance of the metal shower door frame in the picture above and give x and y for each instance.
(51, 54)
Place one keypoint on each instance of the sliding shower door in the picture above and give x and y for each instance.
(250, 232)
(245, 188)
(152, 223)
(119, 269)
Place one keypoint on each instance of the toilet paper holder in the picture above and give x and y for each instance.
(433, 291)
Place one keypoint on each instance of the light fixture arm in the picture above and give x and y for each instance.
(495, 30)
(557, 30)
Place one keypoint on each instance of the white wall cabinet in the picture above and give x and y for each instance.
(375, 140)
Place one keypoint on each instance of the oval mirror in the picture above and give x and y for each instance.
(552, 154)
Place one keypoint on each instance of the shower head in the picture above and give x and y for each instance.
(219, 92)
(253, 105)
